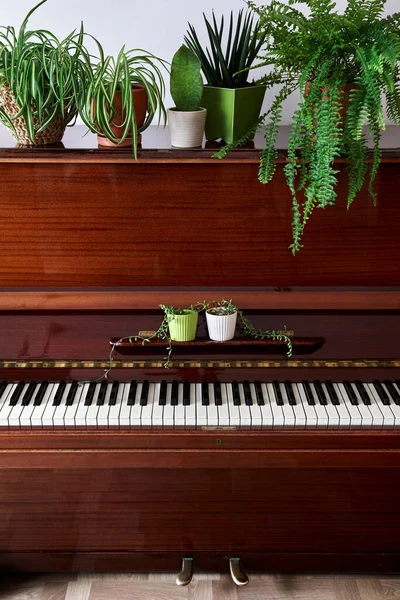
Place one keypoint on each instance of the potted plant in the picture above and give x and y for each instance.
(39, 79)
(221, 321)
(346, 68)
(123, 96)
(233, 104)
(186, 120)
(182, 323)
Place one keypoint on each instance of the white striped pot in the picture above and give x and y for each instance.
(186, 128)
(221, 328)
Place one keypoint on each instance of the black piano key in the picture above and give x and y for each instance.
(383, 395)
(290, 393)
(102, 393)
(144, 394)
(259, 394)
(112, 401)
(59, 393)
(394, 394)
(186, 393)
(235, 393)
(278, 394)
(40, 394)
(217, 393)
(248, 400)
(90, 393)
(132, 393)
(363, 392)
(30, 390)
(3, 386)
(319, 390)
(205, 397)
(332, 393)
(309, 393)
(162, 401)
(72, 393)
(350, 392)
(174, 393)
(17, 393)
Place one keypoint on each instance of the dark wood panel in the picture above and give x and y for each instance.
(23, 299)
(235, 510)
(213, 225)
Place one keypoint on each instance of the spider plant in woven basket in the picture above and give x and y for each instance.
(113, 78)
(39, 78)
(227, 62)
(345, 65)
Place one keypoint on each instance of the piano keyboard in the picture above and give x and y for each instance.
(239, 405)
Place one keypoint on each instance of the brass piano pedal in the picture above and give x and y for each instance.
(185, 576)
(237, 574)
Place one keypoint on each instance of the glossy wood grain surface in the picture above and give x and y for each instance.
(110, 224)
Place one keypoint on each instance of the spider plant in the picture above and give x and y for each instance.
(226, 64)
(42, 74)
(97, 105)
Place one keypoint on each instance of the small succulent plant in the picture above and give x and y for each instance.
(186, 80)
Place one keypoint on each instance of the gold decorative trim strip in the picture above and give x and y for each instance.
(200, 364)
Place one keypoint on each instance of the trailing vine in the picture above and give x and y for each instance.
(344, 65)
(219, 307)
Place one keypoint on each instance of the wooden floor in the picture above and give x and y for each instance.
(203, 587)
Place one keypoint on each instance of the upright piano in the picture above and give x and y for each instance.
(235, 451)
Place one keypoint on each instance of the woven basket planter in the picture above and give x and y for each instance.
(51, 135)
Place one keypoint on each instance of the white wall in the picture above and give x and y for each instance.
(155, 25)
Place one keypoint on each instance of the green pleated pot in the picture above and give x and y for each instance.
(231, 112)
(183, 328)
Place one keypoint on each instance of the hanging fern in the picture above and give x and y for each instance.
(345, 66)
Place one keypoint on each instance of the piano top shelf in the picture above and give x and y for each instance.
(244, 346)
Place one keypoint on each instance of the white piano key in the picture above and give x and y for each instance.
(265, 409)
(38, 411)
(47, 417)
(277, 410)
(136, 409)
(70, 413)
(287, 409)
(179, 417)
(59, 413)
(104, 410)
(333, 415)
(244, 410)
(355, 416)
(147, 410)
(190, 409)
(378, 420)
(15, 414)
(309, 410)
(366, 416)
(389, 419)
(201, 411)
(125, 410)
(212, 409)
(93, 409)
(234, 416)
(343, 413)
(158, 410)
(300, 417)
(320, 411)
(169, 410)
(255, 412)
(25, 420)
(223, 410)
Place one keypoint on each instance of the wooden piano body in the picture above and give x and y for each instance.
(91, 243)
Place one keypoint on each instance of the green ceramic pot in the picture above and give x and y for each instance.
(231, 112)
(183, 328)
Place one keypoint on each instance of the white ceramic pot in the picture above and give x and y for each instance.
(221, 328)
(187, 128)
